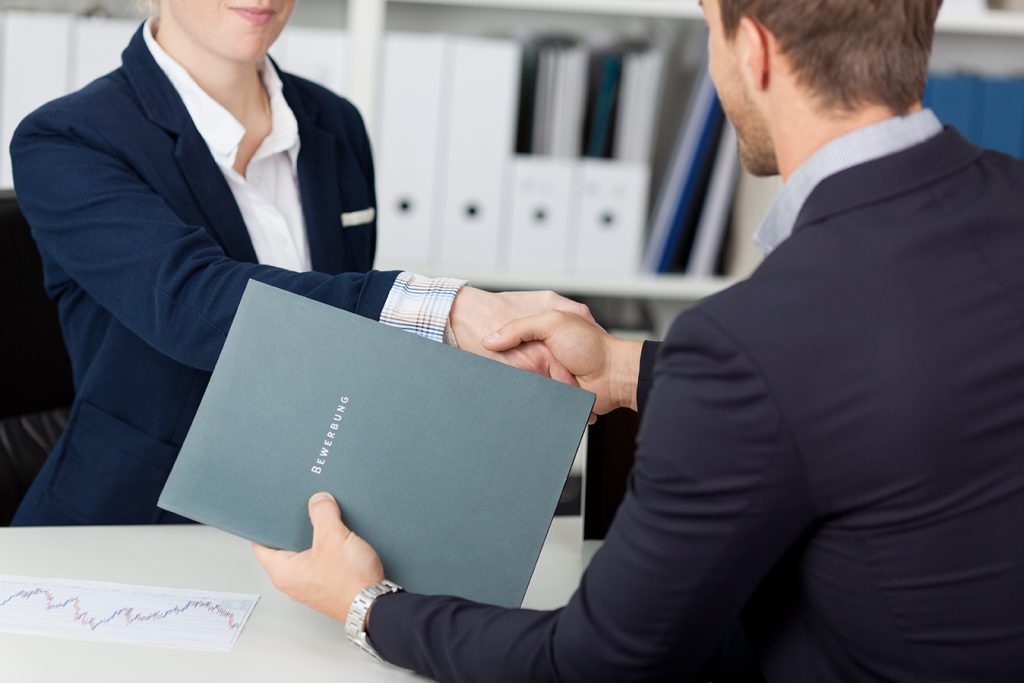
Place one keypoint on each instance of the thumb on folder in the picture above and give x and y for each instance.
(329, 575)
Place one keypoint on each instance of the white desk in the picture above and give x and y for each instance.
(283, 641)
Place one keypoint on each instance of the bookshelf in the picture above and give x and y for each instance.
(951, 19)
(981, 24)
(334, 14)
(366, 23)
(965, 31)
(671, 9)
(988, 40)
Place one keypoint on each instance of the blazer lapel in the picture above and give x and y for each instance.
(212, 194)
(163, 106)
(321, 200)
(319, 185)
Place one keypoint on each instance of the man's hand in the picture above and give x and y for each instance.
(476, 314)
(328, 576)
(601, 363)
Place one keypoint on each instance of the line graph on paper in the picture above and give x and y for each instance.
(144, 615)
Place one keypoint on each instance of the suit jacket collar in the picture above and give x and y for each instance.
(875, 141)
(888, 177)
(158, 98)
(317, 164)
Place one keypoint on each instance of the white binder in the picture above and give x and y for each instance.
(316, 54)
(542, 198)
(413, 89)
(639, 96)
(33, 70)
(608, 239)
(570, 102)
(478, 142)
(97, 46)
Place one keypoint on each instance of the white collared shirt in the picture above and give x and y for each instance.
(268, 194)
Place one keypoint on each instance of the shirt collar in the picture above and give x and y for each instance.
(858, 147)
(221, 131)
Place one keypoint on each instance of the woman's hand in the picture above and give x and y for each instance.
(476, 314)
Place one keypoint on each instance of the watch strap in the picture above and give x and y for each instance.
(355, 622)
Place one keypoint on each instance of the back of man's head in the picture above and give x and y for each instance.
(849, 53)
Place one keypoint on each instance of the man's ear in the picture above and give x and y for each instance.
(755, 46)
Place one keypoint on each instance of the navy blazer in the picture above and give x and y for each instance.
(146, 253)
(832, 450)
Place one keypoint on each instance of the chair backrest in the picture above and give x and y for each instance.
(33, 361)
(36, 388)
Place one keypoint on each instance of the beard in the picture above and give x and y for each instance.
(757, 157)
(757, 152)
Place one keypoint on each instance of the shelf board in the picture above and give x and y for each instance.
(986, 23)
(664, 287)
(967, 22)
(650, 287)
(677, 9)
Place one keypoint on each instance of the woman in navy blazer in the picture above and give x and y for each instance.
(146, 252)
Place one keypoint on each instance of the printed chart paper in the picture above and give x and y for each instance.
(143, 615)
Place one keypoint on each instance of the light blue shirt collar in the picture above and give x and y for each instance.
(861, 146)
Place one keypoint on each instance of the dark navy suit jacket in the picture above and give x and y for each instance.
(147, 255)
(832, 450)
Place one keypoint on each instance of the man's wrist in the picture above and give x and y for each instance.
(357, 622)
(624, 369)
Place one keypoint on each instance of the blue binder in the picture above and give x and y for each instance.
(692, 193)
(599, 144)
(1002, 115)
(956, 100)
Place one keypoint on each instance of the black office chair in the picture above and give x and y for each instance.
(36, 389)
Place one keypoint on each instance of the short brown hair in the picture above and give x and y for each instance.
(849, 53)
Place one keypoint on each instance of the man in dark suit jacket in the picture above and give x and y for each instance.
(831, 451)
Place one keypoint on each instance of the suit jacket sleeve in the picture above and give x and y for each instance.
(167, 281)
(716, 497)
(645, 379)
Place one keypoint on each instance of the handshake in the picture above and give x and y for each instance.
(550, 335)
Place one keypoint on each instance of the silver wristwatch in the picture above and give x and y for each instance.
(355, 622)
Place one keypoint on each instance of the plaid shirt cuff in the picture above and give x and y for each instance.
(421, 305)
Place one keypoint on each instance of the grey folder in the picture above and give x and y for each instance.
(449, 464)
